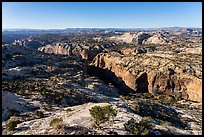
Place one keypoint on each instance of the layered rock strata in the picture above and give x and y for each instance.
(148, 73)
(71, 50)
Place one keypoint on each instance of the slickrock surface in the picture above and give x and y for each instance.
(141, 38)
(156, 39)
(13, 101)
(80, 118)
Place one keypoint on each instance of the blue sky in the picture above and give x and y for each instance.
(57, 15)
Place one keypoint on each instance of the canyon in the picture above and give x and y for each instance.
(155, 74)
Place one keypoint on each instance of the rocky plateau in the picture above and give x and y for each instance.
(152, 80)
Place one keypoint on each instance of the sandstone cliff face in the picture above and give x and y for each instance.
(57, 49)
(151, 74)
(71, 50)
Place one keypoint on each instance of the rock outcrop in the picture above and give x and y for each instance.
(156, 39)
(126, 37)
(11, 102)
(146, 73)
(72, 50)
(59, 48)
(141, 38)
(78, 120)
(131, 37)
(28, 43)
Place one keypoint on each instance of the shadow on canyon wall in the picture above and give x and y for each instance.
(109, 77)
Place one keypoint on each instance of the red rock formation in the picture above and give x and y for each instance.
(144, 79)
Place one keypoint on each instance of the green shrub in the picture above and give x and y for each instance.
(55, 121)
(68, 110)
(8, 56)
(12, 112)
(11, 125)
(102, 114)
(20, 92)
(43, 90)
(48, 107)
(167, 100)
(39, 114)
(141, 128)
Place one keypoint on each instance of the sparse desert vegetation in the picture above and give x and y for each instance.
(102, 114)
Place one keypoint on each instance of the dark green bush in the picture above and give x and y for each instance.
(48, 107)
(12, 112)
(39, 114)
(102, 114)
(68, 110)
(21, 92)
(141, 128)
(11, 125)
(55, 121)
(8, 56)
(167, 100)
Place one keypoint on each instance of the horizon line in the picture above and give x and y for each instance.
(101, 28)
